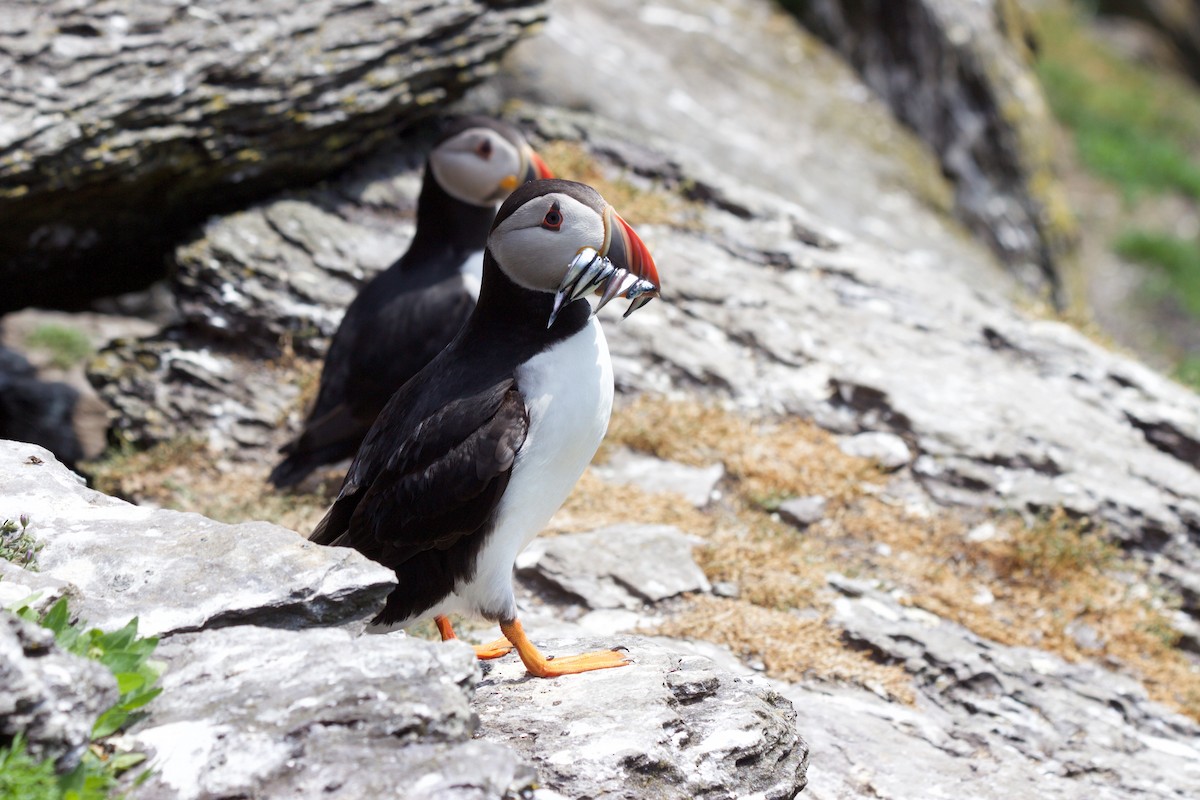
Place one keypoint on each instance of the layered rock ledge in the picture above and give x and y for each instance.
(125, 123)
(273, 691)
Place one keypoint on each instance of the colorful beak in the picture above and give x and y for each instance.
(538, 166)
(623, 266)
(626, 250)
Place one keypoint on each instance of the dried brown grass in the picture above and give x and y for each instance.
(1030, 584)
(183, 475)
(637, 206)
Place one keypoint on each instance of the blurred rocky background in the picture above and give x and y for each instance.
(911, 447)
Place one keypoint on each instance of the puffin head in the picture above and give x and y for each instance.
(479, 160)
(562, 238)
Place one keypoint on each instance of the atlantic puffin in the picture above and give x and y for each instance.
(472, 456)
(406, 314)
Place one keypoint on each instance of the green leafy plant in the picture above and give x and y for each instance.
(66, 346)
(128, 657)
(17, 544)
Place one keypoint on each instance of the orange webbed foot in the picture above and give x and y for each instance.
(542, 667)
(484, 652)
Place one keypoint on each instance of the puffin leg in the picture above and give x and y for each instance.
(541, 667)
(484, 652)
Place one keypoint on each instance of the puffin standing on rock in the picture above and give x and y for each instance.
(471, 457)
(406, 314)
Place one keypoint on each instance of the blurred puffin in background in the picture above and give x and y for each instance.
(474, 454)
(406, 314)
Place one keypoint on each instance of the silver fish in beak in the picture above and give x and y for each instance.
(622, 267)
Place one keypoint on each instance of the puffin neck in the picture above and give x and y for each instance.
(443, 221)
(504, 305)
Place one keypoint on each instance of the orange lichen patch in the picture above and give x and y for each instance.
(790, 647)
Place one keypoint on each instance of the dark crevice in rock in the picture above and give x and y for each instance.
(872, 406)
(1026, 462)
(1169, 439)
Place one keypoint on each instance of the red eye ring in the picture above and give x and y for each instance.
(484, 149)
(553, 219)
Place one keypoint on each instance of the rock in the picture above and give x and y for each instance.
(993, 721)
(124, 125)
(625, 467)
(20, 587)
(617, 567)
(1178, 21)
(267, 713)
(180, 572)
(183, 386)
(665, 727)
(959, 74)
(51, 697)
(887, 450)
(803, 511)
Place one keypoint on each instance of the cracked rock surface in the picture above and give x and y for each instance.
(49, 696)
(700, 732)
(176, 571)
(272, 691)
(110, 111)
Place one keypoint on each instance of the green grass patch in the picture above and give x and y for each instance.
(1134, 126)
(128, 657)
(1187, 372)
(67, 346)
(1177, 259)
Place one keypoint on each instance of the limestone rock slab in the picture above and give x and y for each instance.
(269, 713)
(125, 124)
(622, 566)
(628, 467)
(667, 726)
(51, 697)
(177, 571)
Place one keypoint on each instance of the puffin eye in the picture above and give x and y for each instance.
(484, 149)
(553, 219)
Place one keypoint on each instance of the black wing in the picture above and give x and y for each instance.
(427, 487)
(371, 357)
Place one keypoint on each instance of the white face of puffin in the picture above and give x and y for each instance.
(536, 242)
(478, 166)
(555, 243)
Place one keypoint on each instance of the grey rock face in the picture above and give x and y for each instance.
(887, 450)
(992, 722)
(664, 727)
(51, 697)
(297, 711)
(616, 567)
(113, 110)
(959, 74)
(266, 713)
(803, 511)
(20, 586)
(180, 572)
(626, 467)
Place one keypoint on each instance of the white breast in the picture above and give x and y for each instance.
(568, 391)
(471, 270)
